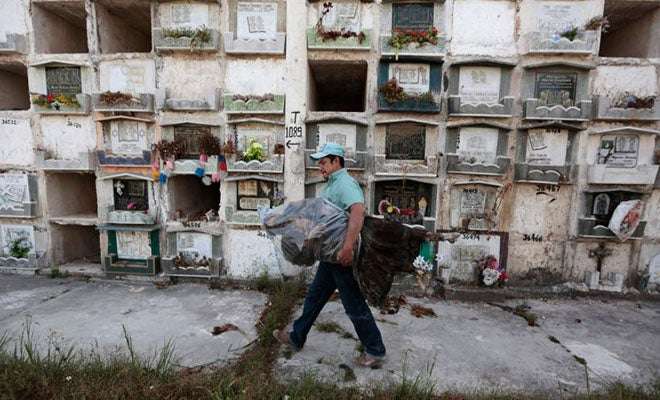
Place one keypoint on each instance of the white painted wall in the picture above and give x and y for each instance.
(182, 81)
(470, 19)
(13, 17)
(612, 81)
(68, 136)
(255, 77)
(17, 141)
(547, 16)
(134, 76)
(248, 255)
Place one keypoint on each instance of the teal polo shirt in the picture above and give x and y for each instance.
(342, 190)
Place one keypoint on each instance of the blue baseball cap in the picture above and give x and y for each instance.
(329, 149)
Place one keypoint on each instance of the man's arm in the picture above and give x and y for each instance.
(355, 221)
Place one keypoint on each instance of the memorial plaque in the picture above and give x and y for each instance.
(256, 20)
(127, 78)
(601, 204)
(133, 245)
(460, 256)
(558, 17)
(63, 80)
(546, 147)
(10, 233)
(194, 246)
(189, 135)
(405, 142)
(343, 134)
(14, 192)
(128, 137)
(479, 85)
(619, 151)
(130, 195)
(406, 195)
(255, 193)
(473, 203)
(344, 16)
(477, 145)
(413, 78)
(247, 188)
(415, 16)
(187, 15)
(554, 88)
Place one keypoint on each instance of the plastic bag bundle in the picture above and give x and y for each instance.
(308, 230)
(625, 219)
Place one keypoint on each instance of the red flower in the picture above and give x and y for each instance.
(50, 98)
(503, 276)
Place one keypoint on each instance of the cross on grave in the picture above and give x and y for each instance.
(600, 253)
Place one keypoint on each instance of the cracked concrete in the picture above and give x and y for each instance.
(474, 345)
(92, 314)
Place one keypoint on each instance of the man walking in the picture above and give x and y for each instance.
(343, 191)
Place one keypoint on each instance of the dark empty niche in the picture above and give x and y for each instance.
(71, 194)
(14, 83)
(60, 27)
(190, 199)
(124, 26)
(75, 244)
(634, 29)
(338, 85)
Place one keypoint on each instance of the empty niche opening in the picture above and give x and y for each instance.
(124, 26)
(71, 195)
(61, 27)
(14, 83)
(191, 199)
(338, 85)
(74, 244)
(634, 28)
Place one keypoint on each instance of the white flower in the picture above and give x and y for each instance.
(68, 378)
(439, 258)
(421, 264)
(490, 276)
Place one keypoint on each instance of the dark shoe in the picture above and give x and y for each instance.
(282, 336)
(368, 361)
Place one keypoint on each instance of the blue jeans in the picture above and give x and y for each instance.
(328, 278)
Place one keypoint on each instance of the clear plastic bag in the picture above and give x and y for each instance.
(625, 219)
(306, 231)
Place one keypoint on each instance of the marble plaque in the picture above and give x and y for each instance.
(247, 188)
(63, 80)
(127, 78)
(477, 145)
(546, 147)
(553, 88)
(253, 203)
(344, 16)
(460, 256)
(256, 20)
(128, 137)
(479, 85)
(10, 233)
(188, 15)
(619, 151)
(557, 17)
(14, 192)
(343, 134)
(133, 245)
(194, 245)
(473, 202)
(413, 78)
(405, 142)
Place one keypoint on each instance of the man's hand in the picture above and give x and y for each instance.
(345, 256)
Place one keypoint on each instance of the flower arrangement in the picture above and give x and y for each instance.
(403, 37)
(490, 271)
(117, 98)
(170, 150)
(55, 101)
(209, 145)
(591, 25)
(229, 147)
(335, 34)
(20, 247)
(279, 149)
(628, 100)
(260, 99)
(254, 151)
(423, 272)
(197, 36)
(393, 93)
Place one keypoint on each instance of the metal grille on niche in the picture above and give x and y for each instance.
(130, 195)
(190, 136)
(63, 80)
(405, 142)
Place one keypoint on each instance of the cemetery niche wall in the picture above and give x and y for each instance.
(61, 27)
(477, 148)
(546, 153)
(126, 199)
(126, 86)
(18, 149)
(599, 205)
(409, 87)
(401, 25)
(351, 134)
(18, 247)
(622, 155)
(125, 141)
(256, 27)
(123, 26)
(337, 85)
(192, 148)
(19, 195)
(187, 26)
(406, 147)
(346, 25)
(556, 91)
(60, 87)
(14, 81)
(68, 144)
(462, 260)
(480, 88)
(246, 95)
(258, 146)
(476, 205)
(245, 193)
(496, 33)
(409, 201)
(619, 96)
